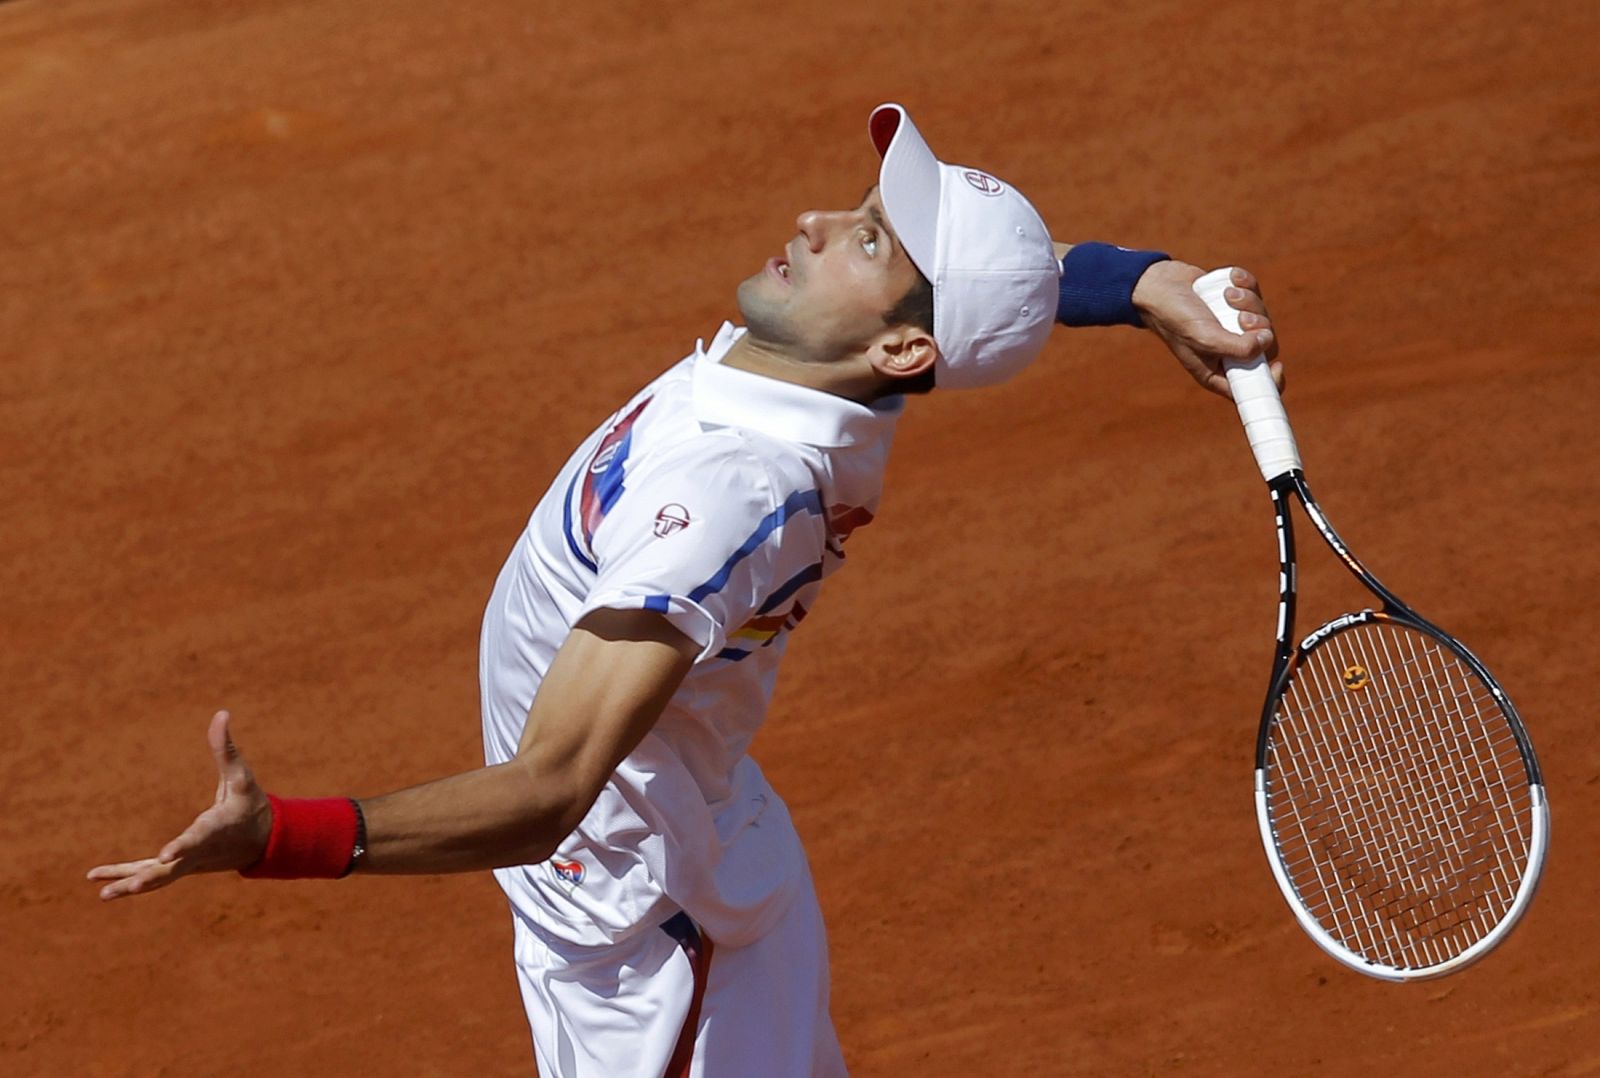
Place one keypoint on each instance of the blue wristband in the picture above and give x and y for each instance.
(1097, 282)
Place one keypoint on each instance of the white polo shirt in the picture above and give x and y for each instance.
(720, 498)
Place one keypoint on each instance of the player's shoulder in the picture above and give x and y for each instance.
(727, 486)
(729, 461)
(678, 454)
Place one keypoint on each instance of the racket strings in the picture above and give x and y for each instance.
(1377, 807)
(1380, 807)
(1397, 796)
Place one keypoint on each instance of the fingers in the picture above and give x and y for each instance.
(211, 842)
(1217, 344)
(133, 877)
(223, 750)
(1245, 297)
(1243, 278)
(232, 772)
(1254, 321)
(1218, 384)
(118, 870)
(1200, 341)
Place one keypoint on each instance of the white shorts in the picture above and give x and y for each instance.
(626, 1010)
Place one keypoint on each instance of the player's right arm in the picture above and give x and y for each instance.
(606, 687)
(661, 602)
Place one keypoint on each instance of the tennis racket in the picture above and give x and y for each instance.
(1399, 799)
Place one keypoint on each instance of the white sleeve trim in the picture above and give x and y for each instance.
(685, 615)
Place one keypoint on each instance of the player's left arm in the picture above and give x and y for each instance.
(1170, 309)
(605, 689)
(1107, 285)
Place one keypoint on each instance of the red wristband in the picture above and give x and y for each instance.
(312, 838)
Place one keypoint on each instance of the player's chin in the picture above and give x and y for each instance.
(763, 305)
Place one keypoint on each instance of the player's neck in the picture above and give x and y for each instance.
(841, 378)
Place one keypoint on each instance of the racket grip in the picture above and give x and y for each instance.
(1266, 424)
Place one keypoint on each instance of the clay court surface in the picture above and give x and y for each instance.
(302, 304)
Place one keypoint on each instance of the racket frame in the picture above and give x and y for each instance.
(1286, 660)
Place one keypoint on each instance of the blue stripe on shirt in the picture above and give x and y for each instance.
(803, 501)
(798, 581)
(566, 527)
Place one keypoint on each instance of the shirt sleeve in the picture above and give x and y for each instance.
(706, 537)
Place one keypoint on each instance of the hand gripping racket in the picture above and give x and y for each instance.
(1397, 792)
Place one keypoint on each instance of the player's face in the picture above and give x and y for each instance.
(825, 296)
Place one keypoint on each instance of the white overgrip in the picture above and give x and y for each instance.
(1266, 424)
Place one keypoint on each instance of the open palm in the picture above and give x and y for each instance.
(231, 834)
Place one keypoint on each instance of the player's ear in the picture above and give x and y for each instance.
(903, 351)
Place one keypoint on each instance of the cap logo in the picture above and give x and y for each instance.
(982, 182)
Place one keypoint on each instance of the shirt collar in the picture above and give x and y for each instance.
(730, 397)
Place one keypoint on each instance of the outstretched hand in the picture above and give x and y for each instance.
(1166, 300)
(231, 834)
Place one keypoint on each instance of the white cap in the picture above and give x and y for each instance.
(995, 276)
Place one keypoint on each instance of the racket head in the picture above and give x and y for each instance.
(1398, 796)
